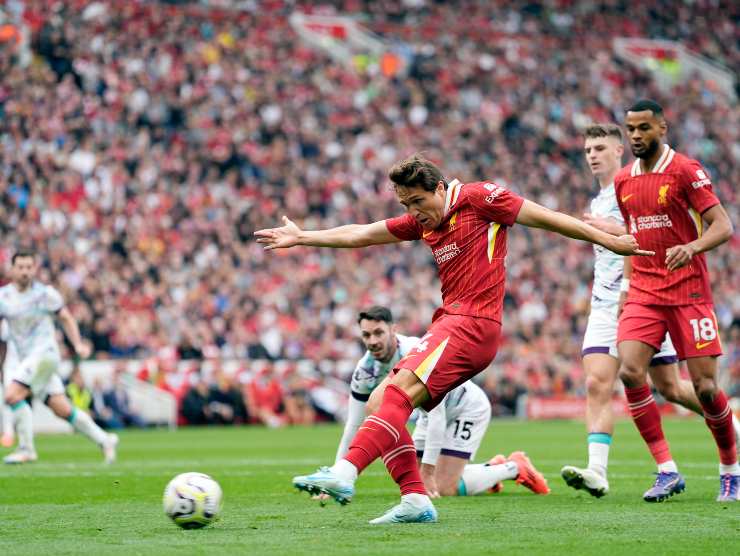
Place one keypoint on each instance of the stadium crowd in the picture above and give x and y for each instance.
(145, 143)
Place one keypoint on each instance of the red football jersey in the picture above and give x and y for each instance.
(663, 208)
(469, 246)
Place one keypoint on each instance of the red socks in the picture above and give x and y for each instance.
(718, 417)
(384, 433)
(646, 416)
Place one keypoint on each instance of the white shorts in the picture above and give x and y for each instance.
(601, 337)
(38, 371)
(463, 434)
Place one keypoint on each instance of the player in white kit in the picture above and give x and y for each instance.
(33, 358)
(603, 148)
(446, 438)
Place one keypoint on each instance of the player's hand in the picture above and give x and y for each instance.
(428, 475)
(627, 245)
(678, 256)
(83, 350)
(608, 225)
(279, 238)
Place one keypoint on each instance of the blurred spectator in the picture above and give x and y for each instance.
(265, 398)
(116, 398)
(78, 393)
(298, 407)
(225, 401)
(195, 405)
(102, 413)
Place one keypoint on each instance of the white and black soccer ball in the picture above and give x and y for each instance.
(192, 500)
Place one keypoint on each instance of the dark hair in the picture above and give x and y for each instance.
(22, 254)
(595, 131)
(416, 171)
(376, 312)
(645, 104)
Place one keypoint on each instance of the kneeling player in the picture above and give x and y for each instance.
(446, 438)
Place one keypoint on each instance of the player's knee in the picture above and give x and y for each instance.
(670, 392)
(597, 387)
(630, 374)
(705, 388)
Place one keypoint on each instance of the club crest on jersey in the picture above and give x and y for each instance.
(663, 194)
(453, 220)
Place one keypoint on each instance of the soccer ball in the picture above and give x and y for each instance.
(192, 500)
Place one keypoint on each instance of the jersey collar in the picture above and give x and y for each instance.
(453, 192)
(660, 166)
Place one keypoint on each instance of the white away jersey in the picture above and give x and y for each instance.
(370, 372)
(29, 315)
(608, 266)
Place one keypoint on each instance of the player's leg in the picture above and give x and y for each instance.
(601, 371)
(462, 440)
(80, 421)
(641, 331)
(16, 395)
(718, 417)
(6, 414)
(667, 380)
(695, 334)
(437, 368)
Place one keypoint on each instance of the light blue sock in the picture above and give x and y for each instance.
(72, 416)
(461, 489)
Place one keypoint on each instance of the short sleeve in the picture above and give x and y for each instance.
(53, 301)
(494, 202)
(404, 227)
(359, 386)
(620, 206)
(697, 185)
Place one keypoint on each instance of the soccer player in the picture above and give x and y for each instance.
(665, 198)
(465, 225)
(33, 358)
(603, 149)
(446, 438)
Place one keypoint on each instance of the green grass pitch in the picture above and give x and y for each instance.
(70, 503)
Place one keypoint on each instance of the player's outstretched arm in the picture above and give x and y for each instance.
(719, 231)
(536, 216)
(351, 235)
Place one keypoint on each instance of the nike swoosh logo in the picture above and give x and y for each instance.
(624, 199)
(702, 346)
(427, 234)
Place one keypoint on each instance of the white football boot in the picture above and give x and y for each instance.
(109, 448)
(21, 455)
(406, 512)
(586, 479)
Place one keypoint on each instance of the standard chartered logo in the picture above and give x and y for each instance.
(653, 221)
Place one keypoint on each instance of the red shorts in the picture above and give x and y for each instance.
(693, 328)
(454, 349)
